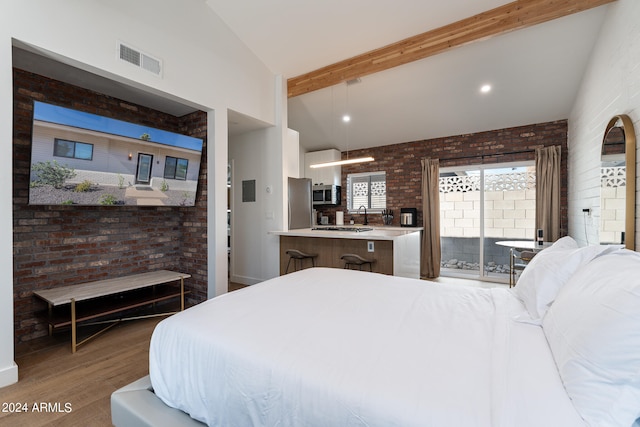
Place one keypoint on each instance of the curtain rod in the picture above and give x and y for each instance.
(489, 155)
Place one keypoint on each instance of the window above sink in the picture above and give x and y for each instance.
(368, 189)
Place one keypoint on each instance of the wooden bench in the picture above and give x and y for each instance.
(91, 301)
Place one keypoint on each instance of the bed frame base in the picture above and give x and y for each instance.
(135, 405)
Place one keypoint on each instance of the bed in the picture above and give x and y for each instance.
(333, 347)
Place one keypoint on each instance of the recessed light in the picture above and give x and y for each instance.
(485, 88)
(346, 118)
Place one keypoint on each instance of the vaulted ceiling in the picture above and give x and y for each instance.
(535, 71)
(534, 68)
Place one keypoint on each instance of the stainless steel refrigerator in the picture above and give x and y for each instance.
(300, 204)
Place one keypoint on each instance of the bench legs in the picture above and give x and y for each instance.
(74, 337)
(74, 329)
(181, 293)
(50, 315)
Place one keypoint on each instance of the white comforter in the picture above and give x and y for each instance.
(330, 347)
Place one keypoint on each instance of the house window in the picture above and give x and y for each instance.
(72, 149)
(175, 168)
(367, 189)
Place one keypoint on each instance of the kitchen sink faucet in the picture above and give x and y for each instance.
(365, 214)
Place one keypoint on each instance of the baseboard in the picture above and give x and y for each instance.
(9, 375)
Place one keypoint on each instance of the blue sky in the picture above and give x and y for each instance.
(66, 116)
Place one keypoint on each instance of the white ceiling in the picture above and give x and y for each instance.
(535, 72)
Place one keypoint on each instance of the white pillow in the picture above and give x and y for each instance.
(593, 330)
(549, 270)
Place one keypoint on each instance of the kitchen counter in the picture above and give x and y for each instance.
(396, 250)
(327, 231)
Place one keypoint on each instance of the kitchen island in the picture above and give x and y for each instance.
(396, 250)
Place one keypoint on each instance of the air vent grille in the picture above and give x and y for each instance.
(151, 64)
(130, 55)
(139, 59)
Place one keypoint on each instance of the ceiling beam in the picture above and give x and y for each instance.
(512, 16)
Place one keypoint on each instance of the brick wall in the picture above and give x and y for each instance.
(402, 162)
(67, 245)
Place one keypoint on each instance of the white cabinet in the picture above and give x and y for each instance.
(327, 175)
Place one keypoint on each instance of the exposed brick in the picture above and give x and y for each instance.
(402, 162)
(67, 245)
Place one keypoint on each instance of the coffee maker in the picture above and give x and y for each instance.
(408, 217)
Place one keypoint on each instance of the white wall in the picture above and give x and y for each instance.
(8, 369)
(204, 65)
(246, 153)
(611, 86)
(269, 157)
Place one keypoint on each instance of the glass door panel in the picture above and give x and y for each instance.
(143, 175)
(479, 207)
(509, 214)
(460, 223)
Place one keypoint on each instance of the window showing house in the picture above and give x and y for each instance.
(367, 189)
(72, 149)
(175, 168)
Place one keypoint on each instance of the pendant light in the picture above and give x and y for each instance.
(346, 119)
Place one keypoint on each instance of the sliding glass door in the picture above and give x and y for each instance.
(480, 206)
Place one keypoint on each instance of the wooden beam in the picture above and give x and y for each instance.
(512, 16)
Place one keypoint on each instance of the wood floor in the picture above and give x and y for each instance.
(82, 382)
(75, 388)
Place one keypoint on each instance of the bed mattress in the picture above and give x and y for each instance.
(331, 347)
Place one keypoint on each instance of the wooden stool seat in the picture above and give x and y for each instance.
(353, 259)
(298, 257)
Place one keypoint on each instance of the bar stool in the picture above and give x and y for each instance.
(298, 257)
(353, 259)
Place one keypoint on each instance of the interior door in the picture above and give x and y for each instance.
(143, 174)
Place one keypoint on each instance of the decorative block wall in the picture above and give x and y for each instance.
(510, 206)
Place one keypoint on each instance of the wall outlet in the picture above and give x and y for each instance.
(370, 247)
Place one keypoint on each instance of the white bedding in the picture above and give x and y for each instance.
(331, 347)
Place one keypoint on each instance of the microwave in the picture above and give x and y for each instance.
(326, 195)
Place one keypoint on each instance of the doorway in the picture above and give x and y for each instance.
(143, 172)
(479, 206)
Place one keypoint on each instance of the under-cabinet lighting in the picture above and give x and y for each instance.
(342, 162)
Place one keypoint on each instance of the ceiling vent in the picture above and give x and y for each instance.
(139, 59)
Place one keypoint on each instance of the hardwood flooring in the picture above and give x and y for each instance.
(235, 286)
(76, 388)
(58, 388)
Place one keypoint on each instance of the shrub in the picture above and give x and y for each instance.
(164, 186)
(52, 173)
(83, 186)
(107, 199)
